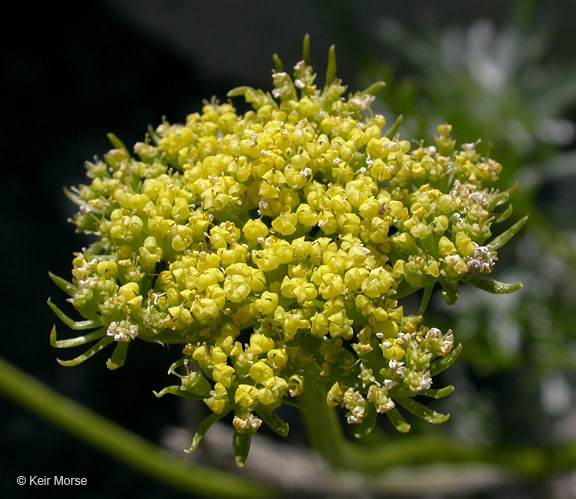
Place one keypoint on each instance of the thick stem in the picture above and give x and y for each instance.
(326, 436)
(119, 443)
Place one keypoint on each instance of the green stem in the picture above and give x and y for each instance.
(528, 462)
(406, 452)
(326, 436)
(321, 423)
(119, 443)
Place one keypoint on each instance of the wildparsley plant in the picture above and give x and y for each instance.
(277, 247)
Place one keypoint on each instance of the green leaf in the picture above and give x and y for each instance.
(238, 91)
(505, 215)
(153, 135)
(395, 126)
(306, 50)
(75, 342)
(63, 284)
(425, 300)
(178, 392)
(175, 365)
(494, 287)
(72, 197)
(241, 446)
(278, 66)
(76, 326)
(437, 393)
(421, 411)
(103, 343)
(116, 142)
(276, 424)
(196, 384)
(441, 365)
(450, 291)
(501, 197)
(204, 427)
(172, 390)
(118, 356)
(375, 88)
(368, 423)
(331, 67)
(398, 421)
(503, 238)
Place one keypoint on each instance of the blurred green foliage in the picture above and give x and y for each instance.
(504, 85)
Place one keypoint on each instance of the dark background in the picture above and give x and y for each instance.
(71, 75)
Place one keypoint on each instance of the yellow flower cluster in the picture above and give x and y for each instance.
(277, 245)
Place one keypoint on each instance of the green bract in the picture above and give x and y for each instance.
(277, 246)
